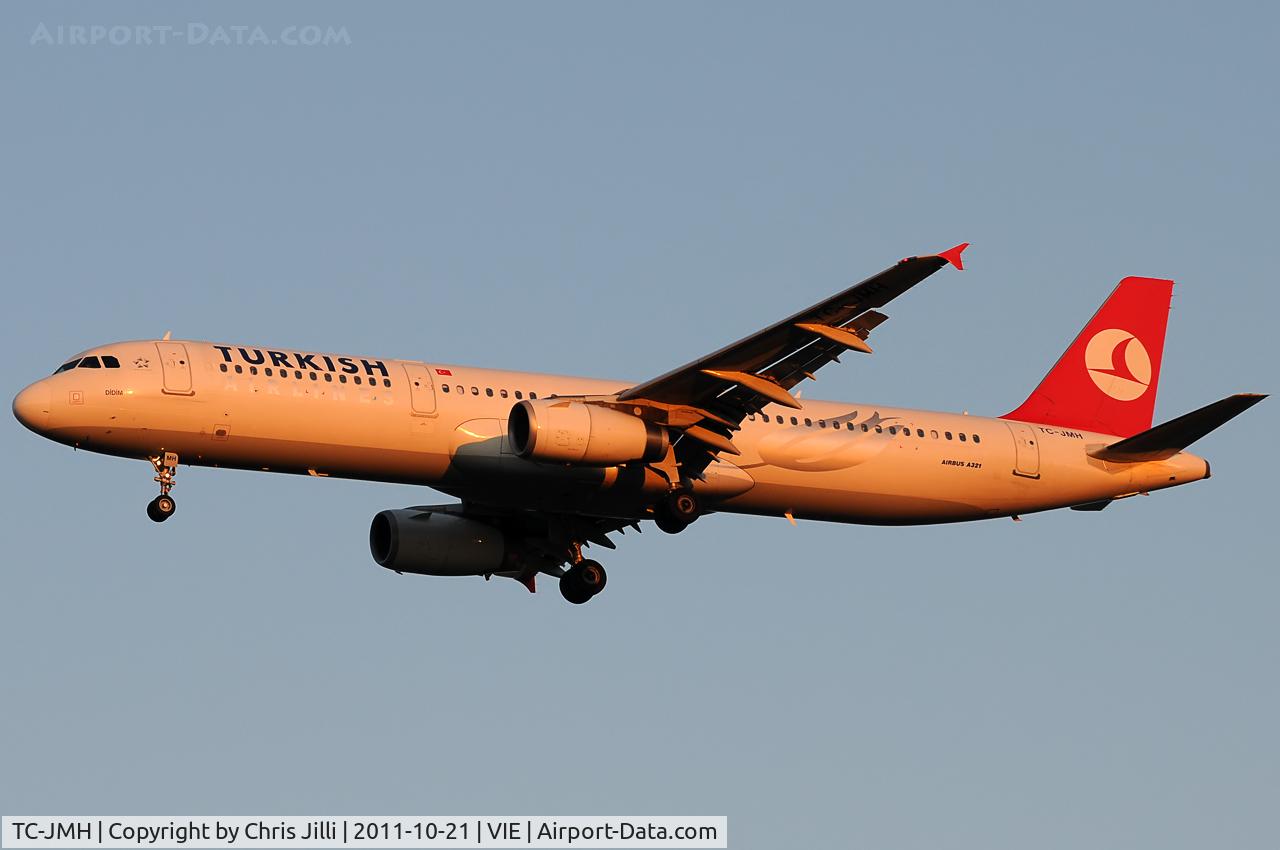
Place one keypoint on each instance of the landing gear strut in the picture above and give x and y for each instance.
(166, 466)
(677, 511)
(582, 581)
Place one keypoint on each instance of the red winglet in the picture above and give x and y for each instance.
(528, 581)
(952, 255)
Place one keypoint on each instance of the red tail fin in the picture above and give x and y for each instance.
(1106, 381)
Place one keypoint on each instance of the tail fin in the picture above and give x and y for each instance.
(1106, 380)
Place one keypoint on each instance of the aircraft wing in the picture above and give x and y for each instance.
(710, 396)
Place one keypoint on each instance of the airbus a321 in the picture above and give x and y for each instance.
(545, 465)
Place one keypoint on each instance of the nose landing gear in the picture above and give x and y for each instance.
(166, 466)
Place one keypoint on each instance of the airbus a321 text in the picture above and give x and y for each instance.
(544, 465)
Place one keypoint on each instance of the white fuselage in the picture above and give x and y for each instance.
(444, 426)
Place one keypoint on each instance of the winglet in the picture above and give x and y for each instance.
(952, 255)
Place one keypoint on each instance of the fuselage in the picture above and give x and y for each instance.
(445, 425)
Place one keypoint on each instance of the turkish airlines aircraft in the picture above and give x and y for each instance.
(546, 464)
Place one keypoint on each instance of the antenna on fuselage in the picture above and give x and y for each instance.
(167, 336)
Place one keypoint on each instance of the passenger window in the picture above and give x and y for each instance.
(977, 439)
(933, 434)
(342, 379)
(475, 391)
(313, 375)
(444, 387)
(253, 370)
(488, 391)
(519, 394)
(780, 422)
(357, 379)
(864, 427)
(822, 423)
(110, 362)
(947, 434)
(90, 363)
(848, 425)
(386, 382)
(328, 378)
(961, 436)
(879, 430)
(297, 373)
(533, 395)
(222, 366)
(502, 393)
(239, 369)
(920, 433)
(808, 423)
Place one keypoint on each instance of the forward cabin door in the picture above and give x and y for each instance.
(422, 392)
(1027, 452)
(176, 367)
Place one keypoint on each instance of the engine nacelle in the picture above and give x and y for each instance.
(575, 432)
(435, 543)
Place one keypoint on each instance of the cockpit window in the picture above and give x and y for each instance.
(90, 363)
(110, 362)
(68, 365)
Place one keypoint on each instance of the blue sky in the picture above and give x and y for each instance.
(614, 189)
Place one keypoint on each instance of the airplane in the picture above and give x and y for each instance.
(546, 465)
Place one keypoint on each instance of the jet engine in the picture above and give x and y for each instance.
(576, 432)
(435, 543)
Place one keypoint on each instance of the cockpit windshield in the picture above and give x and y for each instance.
(107, 361)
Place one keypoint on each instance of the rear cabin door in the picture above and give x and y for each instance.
(176, 366)
(422, 391)
(1027, 452)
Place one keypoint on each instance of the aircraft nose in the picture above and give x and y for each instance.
(31, 406)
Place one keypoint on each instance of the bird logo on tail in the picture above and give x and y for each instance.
(1119, 364)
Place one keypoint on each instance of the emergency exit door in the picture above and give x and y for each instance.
(1027, 452)
(176, 368)
(422, 391)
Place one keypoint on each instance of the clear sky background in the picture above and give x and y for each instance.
(614, 189)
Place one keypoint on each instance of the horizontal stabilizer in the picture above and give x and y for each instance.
(1169, 438)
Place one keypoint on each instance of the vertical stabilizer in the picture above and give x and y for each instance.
(1106, 380)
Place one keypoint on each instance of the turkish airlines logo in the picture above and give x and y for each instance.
(1118, 363)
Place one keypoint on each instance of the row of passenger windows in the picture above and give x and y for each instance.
(342, 379)
(879, 429)
(461, 390)
(298, 373)
(112, 363)
(106, 361)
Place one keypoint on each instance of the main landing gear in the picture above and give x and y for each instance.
(677, 511)
(162, 507)
(582, 581)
